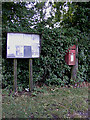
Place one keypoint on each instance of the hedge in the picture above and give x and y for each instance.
(51, 67)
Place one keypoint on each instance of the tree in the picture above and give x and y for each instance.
(18, 16)
(77, 16)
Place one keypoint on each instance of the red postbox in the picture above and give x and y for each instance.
(71, 55)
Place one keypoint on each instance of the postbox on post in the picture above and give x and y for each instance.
(70, 56)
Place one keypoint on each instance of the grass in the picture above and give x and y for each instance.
(46, 102)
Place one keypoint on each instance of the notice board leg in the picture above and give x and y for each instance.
(15, 75)
(30, 76)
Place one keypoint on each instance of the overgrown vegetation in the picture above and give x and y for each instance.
(50, 68)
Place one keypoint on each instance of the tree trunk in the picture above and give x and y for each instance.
(75, 67)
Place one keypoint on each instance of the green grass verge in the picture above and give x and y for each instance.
(46, 102)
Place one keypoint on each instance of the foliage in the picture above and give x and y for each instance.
(84, 57)
(50, 68)
(72, 14)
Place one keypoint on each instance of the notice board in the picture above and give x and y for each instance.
(23, 45)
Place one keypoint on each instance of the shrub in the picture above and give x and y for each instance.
(50, 68)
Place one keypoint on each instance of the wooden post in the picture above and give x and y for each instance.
(75, 67)
(15, 74)
(30, 76)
